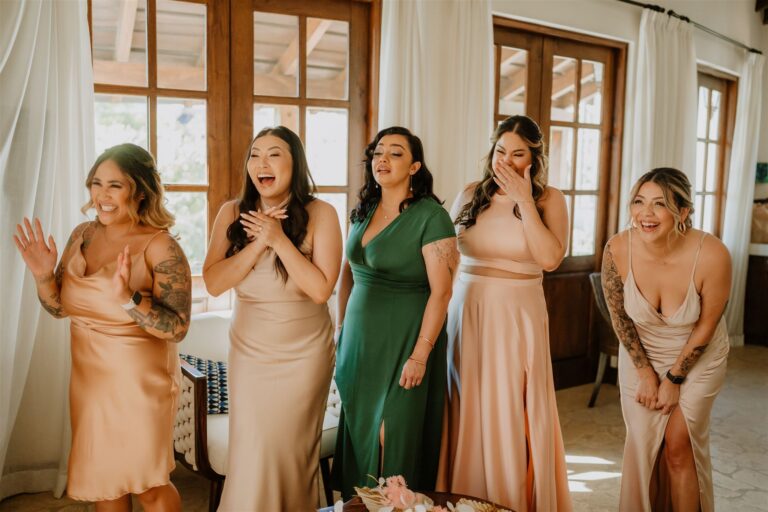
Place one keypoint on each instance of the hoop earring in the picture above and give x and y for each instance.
(682, 227)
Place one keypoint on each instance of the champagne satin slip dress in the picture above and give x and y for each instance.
(502, 441)
(123, 386)
(280, 366)
(663, 339)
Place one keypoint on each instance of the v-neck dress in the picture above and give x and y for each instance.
(122, 389)
(381, 324)
(663, 339)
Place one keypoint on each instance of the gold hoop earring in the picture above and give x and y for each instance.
(682, 227)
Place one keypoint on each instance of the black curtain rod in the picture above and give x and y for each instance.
(708, 30)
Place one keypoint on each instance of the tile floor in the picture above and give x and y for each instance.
(593, 440)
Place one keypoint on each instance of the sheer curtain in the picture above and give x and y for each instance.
(436, 78)
(46, 147)
(664, 109)
(741, 187)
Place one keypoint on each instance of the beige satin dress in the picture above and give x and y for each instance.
(280, 366)
(123, 386)
(663, 339)
(502, 440)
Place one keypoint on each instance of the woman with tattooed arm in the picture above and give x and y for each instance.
(125, 284)
(666, 285)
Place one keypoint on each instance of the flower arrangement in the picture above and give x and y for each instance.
(392, 495)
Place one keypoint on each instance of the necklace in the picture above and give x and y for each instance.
(388, 216)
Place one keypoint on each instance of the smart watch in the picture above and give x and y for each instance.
(135, 301)
(675, 379)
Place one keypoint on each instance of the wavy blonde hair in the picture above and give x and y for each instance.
(527, 129)
(676, 190)
(146, 189)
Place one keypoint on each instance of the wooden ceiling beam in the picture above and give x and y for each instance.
(126, 22)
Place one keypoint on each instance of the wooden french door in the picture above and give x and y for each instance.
(305, 65)
(572, 86)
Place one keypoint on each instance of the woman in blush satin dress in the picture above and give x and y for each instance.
(280, 249)
(125, 284)
(666, 286)
(502, 439)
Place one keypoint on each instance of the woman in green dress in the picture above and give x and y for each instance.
(394, 294)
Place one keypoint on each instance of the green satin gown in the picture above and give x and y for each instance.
(381, 325)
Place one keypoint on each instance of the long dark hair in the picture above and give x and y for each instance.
(302, 190)
(530, 132)
(421, 182)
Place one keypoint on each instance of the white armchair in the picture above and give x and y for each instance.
(200, 439)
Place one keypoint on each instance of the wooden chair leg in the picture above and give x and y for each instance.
(325, 471)
(214, 498)
(599, 380)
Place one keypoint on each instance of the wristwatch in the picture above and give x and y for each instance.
(135, 301)
(675, 379)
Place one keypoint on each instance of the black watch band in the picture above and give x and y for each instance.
(675, 379)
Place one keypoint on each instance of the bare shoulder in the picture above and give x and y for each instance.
(551, 196)
(714, 254)
(319, 209)
(164, 247)
(616, 248)
(228, 211)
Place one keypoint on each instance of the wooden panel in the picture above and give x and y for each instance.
(569, 302)
(756, 297)
(241, 89)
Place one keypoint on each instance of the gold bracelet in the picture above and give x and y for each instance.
(417, 361)
(431, 343)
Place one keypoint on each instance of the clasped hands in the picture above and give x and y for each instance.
(264, 226)
(650, 393)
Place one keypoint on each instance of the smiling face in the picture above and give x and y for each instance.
(511, 150)
(392, 162)
(650, 214)
(111, 194)
(270, 167)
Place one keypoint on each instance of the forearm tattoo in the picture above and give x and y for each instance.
(445, 251)
(622, 324)
(170, 312)
(52, 302)
(690, 359)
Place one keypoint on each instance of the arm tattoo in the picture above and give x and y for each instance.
(690, 359)
(622, 324)
(170, 311)
(445, 251)
(52, 304)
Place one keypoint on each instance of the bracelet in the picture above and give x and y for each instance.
(431, 343)
(675, 379)
(417, 361)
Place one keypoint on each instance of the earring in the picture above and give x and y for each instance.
(410, 184)
(681, 227)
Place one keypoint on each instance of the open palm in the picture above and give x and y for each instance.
(39, 256)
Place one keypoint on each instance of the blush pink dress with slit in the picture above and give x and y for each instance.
(663, 339)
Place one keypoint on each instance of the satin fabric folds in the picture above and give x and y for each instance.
(123, 388)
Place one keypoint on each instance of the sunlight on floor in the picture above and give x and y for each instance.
(577, 479)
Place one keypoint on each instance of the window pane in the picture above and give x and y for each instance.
(701, 130)
(698, 209)
(190, 211)
(339, 202)
(513, 78)
(181, 140)
(327, 58)
(327, 145)
(181, 45)
(714, 119)
(120, 42)
(711, 167)
(560, 157)
(569, 208)
(701, 148)
(563, 88)
(275, 54)
(590, 104)
(708, 216)
(267, 116)
(584, 217)
(588, 159)
(119, 119)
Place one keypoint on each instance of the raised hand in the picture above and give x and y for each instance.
(121, 279)
(266, 226)
(39, 256)
(517, 187)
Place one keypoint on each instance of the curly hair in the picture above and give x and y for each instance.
(530, 132)
(370, 192)
(302, 193)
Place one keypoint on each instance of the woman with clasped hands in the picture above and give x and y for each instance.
(666, 285)
(125, 284)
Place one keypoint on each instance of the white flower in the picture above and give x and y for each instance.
(338, 506)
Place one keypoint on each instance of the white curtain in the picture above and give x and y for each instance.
(741, 187)
(46, 147)
(664, 108)
(437, 80)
